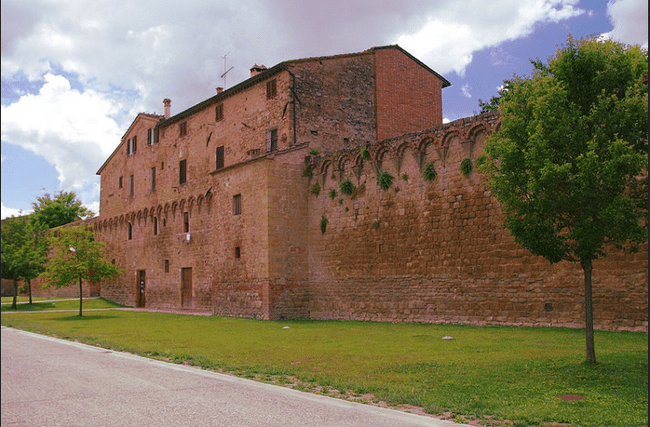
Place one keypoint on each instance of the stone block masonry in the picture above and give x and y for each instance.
(235, 206)
(436, 251)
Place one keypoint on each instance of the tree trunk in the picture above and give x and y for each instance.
(29, 287)
(80, 296)
(589, 312)
(13, 304)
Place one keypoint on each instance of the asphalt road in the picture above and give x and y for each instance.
(52, 382)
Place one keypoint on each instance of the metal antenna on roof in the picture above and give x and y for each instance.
(223, 76)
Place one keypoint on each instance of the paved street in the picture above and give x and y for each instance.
(51, 382)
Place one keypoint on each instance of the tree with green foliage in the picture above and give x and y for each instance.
(23, 251)
(76, 256)
(570, 162)
(61, 209)
(491, 105)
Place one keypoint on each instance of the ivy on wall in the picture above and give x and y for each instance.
(466, 166)
(384, 180)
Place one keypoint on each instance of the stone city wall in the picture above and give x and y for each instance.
(435, 251)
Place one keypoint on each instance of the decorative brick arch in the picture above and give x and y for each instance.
(343, 161)
(380, 152)
(449, 135)
(426, 141)
(324, 166)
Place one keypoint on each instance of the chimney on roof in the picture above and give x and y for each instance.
(168, 104)
(219, 90)
(257, 69)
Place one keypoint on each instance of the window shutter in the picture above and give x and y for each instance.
(182, 173)
(220, 157)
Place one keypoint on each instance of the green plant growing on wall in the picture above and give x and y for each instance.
(365, 154)
(466, 166)
(308, 172)
(429, 172)
(332, 194)
(323, 224)
(384, 180)
(347, 187)
(314, 151)
(315, 189)
(375, 225)
(405, 177)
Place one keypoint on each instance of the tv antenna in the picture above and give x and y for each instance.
(223, 76)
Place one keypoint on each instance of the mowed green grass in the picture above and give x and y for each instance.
(6, 300)
(491, 374)
(60, 304)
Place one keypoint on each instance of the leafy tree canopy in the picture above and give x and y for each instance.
(23, 249)
(570, 161)
(76, 256)
(61, 209)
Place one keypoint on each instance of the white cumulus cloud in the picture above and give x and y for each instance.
(451, 35)
(73, 130)
(629, 19)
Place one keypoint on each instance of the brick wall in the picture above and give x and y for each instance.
(436, 251)
(409, 97)
(336, 105)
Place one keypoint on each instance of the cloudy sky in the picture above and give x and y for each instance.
(75, 73)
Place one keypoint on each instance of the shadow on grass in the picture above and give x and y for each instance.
(41, 306)
(77, 318)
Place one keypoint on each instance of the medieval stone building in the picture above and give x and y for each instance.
(264, 201)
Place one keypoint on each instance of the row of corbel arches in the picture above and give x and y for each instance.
(164, 211)
(439, 138)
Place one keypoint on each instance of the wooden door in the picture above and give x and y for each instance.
(140, 291)
(186, 287)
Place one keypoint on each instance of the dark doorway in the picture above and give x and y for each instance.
(186, 287)
(140, 300)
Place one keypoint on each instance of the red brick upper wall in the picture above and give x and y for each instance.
(409, 96)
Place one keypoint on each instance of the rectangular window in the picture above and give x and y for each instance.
(135, 144)
(237, 252)
(149, 136)
(130, 232)
(272, 140)
(182, 172)
(128, 147)
(155, 226)
(183, 128)
(153, 179)
(218, 112)
(156, 135)
(186, 222)
(120, 182)
(131, 184)
(271, 89)
(220, 157)
(236, 204)
(166, 266)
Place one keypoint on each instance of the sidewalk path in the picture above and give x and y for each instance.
(52, 382)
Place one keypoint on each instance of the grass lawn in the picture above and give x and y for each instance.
(8, 300)
(60, 304)
(489, 374)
